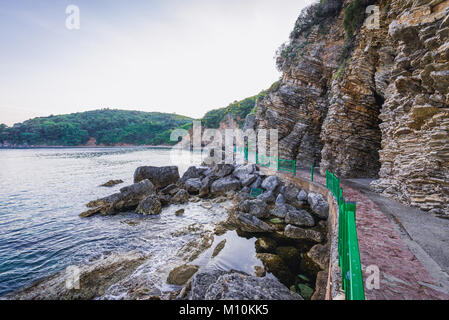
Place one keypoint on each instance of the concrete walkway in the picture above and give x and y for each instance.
(410, 247)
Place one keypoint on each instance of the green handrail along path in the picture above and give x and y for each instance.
(348, 247)
(287, 165)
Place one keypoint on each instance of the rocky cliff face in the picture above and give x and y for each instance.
(381, 110)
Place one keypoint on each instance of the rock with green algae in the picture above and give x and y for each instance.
(305, 291)
(265, 245)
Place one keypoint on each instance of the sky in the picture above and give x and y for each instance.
(177, 56)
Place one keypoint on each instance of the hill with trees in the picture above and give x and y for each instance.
(106, 126)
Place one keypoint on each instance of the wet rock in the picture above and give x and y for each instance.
(305, 291)
(220, 246)
(224, 185)
(320, 286)
(180, 275)
(291, 193)
(179, 212)
(320, 254)
(171, 189)
(265, 245)
(193, 185)
(250, 223)
(250, 122)
(95, 279)
(159, 176)
(181, 196)
(270, 183)
(238, 286)
(202, 281)
(290, 256)
(259, 271)
(275, 265)
(127, 199)
(318, 205)
(111, 183)
(303, 234)
(150, 205)
(300, 218)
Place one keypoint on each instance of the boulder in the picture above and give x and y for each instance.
(202, 281)
(127, 199)
(248, 180)
(159, 176)
(319, 254)
(320, 285)
(300, 218)
(243, 172)
(302, 234)
(267, 197)
(150, 205)
(249, 223)
(171, 189)
(193, 185)
(220, 246)
(181, 196)
(180, 275)
(291, 193)
(193, 172)
(302, 195)
(239, 286)
(254, 207)
(222, 170)
(318, 205)
(225, 184)
(280, 200)
(270, 183)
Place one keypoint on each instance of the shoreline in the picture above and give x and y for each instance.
(86, 147)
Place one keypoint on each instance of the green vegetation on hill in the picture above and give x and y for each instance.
(238, 110)
(107, 126)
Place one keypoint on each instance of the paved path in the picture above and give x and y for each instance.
(409, 247)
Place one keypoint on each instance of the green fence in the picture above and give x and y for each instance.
(348, 247)
(268, 161)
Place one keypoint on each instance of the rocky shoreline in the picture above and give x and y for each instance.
(290, 226)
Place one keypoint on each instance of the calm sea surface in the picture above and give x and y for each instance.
(42, 192)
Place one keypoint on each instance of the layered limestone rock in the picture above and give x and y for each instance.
(297, 105)
(415, 116)
(380, 112)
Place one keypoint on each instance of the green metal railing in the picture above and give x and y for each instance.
(348, 247)
(268, 161)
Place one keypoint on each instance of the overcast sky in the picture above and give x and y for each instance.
(182, 56)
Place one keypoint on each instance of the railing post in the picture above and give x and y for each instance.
(311, 174)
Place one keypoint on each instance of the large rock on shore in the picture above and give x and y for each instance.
(318, 205)
(300, 218)
(180, 275)
(224, 185)
(150, 205)
(249, 223)
(302, 234)
(94, 280)
(159, 176)
(127, 199)
(221, 285)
